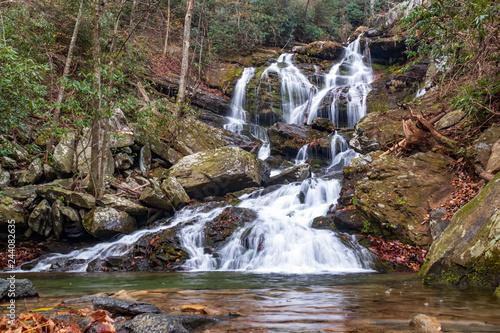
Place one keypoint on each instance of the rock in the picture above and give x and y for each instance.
(322, 124)
(323, 222)
(64, 154)
(11, 210)
(482, 147)
(124, 205)
(450, 119)
(493, 165)
(193, 308)
(161, 323)
(32, 175)
(56, 218)
(39, 219)
(349, 220)
(4, 177)
(157, 199)
(145, 160)
(23, 288)
(13, 150)
(84, 155)
(123, 161)
(121, 133)
(174, 192)
(104, 223)
(225, 224)
(9, 163)
(372, 32)
(437, 222)
(223, 76)
(425, 324)
(468, 251)
(212, 102)
(20, 193)
(296, 174)
(123, 307)
(400, 10)
(49, 172)
(217, 172)
(53, 193)
(396, 194)
(388, 51)
(287, 139)
(322, 50)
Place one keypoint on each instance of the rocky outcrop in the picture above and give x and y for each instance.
(104, 223)
(322, 50)
(468, 251)
(223, 76)
(393, 195)
(388, 51)
(287, 139)
(218, 172)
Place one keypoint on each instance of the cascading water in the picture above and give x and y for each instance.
(281, 237)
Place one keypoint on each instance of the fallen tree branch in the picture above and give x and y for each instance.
(127, 189)
(452, 144)
(396, 146)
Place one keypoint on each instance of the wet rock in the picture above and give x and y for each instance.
(53, 193)
(450, 119)
(11, 209)
(287, 139)
(482, 147)
(425, 324)
(468, 251)
(174, 192)
(13, 150)
(145, 160)
(349, 220)
(124, 205)
(123, 307)
(218, 172)
(493, 165)
(104, 223)
(39, 219)
(296, 174)
(322, 124)
(322, 50)
(222, 227)
(160, 323)
(123, 161)
(193, 308)
(388, 51)
(323, 222)
(396, 194)
(31, 175)
(23, 288)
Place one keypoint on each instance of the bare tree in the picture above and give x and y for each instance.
(167, 30)
(185, 53)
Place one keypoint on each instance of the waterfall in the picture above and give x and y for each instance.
(340, 152)
(281, 238)
(238, 114)
(302, 155)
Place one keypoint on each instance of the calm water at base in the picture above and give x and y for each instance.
(287, 303)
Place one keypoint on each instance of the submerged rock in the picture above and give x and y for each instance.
(468, 251)
(425, 324)
(104, 223)
(161, 323)
(218, 172)
(123, 307)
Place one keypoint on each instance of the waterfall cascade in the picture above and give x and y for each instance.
(280, 238)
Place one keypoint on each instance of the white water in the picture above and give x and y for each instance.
(349, 79)
(238, 114)
(302, 155)
(281, 239)
(341, 153)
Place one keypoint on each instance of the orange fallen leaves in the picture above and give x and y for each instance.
(398, 253)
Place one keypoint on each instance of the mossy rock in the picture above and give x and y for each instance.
(468, 251)
(321, 49)
(223, 76)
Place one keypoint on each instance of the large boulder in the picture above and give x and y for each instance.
(11, 210)
(388, 51)
(123, 204)
(393, 197)
(482, 148)
(223, 76)
(218, 172)
(468, 251)
(174, 192)
(161, 323)
(287, 139)
(104, 223)
(23, 288)
(64, 154)
(321, 49)
(123, 307)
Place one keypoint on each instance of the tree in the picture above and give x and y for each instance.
(185, 53)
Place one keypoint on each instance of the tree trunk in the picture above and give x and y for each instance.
(67, 66)
(133, 13)
(185, 53)
(168, 29)
(97, 154)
